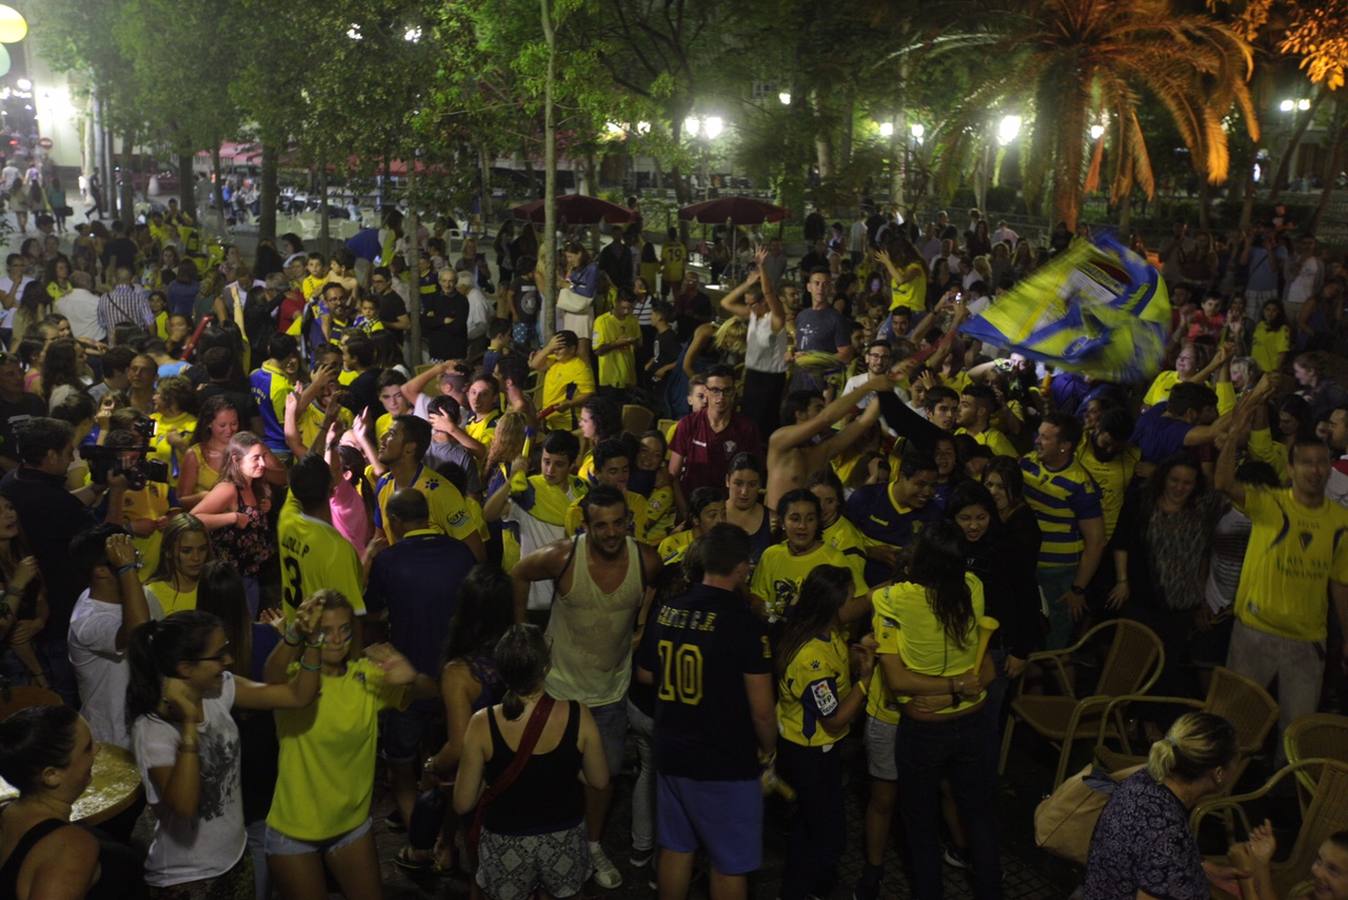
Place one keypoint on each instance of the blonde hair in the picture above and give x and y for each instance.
(1196, 744)
(508, 441)
(732, 336)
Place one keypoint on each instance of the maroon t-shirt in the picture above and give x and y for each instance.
(707, 453)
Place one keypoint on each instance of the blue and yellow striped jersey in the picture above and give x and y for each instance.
(1060, 500)
(270, 386)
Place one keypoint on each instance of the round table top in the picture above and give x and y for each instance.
(113, 787)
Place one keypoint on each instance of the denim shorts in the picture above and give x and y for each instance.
(725, 818)
(277, 844)
(611, 719)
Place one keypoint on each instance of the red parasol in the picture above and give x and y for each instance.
(738, 210)
(577, 209)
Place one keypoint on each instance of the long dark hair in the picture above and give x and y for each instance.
(938, 565)
(210, 408)
(1156, 483)
(220, 592)
(822, 594)
(154, 652)
(60, 365)
(483, 616)
(522, 659)
(34, 739)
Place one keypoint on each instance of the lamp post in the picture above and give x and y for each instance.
(705, 130)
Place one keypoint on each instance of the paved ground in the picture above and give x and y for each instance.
(1027, 872)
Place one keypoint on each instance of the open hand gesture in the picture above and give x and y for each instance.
(397, 669)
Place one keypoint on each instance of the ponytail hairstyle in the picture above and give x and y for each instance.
(938, 565)
(522, 659)
(154, 652)
(220, 592)
(1196, 744)
(822, 594)
(35, 739)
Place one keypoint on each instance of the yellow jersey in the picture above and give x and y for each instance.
(881, 704)
(674, 548)
(636, 517)
(449, 511)
(1268, 346)
(994, 440)
(617, 368)
(1294, 551)
(327, 754)
(921, 641)
(1160, 389)
(1112, 478)
(815, 683)
(565, 381)
(913, 292)
(170, 600)
(160, 448)
(777, 577)
(315, 555)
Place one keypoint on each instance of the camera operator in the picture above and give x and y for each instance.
(148, 496)
(50, 516)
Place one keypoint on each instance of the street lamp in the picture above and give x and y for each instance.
(1007, 129)
(712, 126)
(692, 125)
(1287, 106)
(413, 34)
(886, 129)
(643, 128)
(1097, 131)
(1303, 104)
(917, 131)
(785, 98)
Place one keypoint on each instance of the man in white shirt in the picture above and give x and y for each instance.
(856, 239)
(1003, 233)
(930, 247)
(80, 306)
(101, 626)
(11, 287)
(1304, 276)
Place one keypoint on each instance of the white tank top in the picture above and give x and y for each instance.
(765, 351)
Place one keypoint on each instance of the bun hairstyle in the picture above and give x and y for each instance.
(522, 659)
(1196, 744)
(35, 739)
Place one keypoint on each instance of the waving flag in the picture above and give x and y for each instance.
(1096, 308)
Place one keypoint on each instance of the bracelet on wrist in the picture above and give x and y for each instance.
(292, 637)
(129, 567)
(308, 668)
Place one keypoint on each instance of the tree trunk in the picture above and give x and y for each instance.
(547, 244)
(218, 188)
(898, 142)
(413, 266)
(187, 186)
(1204, 201)
(849, 122)
(1303, 122)
(1330, 176)
(96, 138)
(484, 164)
(266, 219)
(128, 202)
(1126, 214)
(324, 218)
(823, 147)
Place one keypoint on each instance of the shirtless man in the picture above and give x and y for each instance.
(793, 458)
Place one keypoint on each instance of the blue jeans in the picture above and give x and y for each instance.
(958, 751)
(1054, 582)
(643, 789)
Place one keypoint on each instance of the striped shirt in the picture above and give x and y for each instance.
(1061, 500)
(124, 303)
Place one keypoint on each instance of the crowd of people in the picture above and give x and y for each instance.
(701, 535)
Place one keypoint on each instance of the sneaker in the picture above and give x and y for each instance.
(954, 856)
(394, 822)
(606, 874)
(639, 858)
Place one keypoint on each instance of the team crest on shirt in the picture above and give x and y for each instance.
(1306, 538)
(824, 698)
(730, 447)
(814, 664)
(785, 591)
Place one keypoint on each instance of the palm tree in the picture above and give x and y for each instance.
(1069, 64)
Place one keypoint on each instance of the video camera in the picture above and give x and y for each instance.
(113, 460)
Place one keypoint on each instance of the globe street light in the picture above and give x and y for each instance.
(917, 130)
(785, 98)
(1097, 131)
(692, 125)
(1287, 106)
(886, 129)
(713, 126)
(1303, 104)
(1007, 129)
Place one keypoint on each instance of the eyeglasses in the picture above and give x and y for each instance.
(720, 392)
(219, 657)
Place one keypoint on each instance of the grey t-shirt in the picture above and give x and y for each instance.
(822, 330)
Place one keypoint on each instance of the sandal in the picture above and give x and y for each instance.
(405, 860)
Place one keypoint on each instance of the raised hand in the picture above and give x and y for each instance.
(177, 702)
(397, 669)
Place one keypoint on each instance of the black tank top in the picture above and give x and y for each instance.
(547, 796)
(120, 873)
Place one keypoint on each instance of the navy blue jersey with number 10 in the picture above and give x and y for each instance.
(699, 647)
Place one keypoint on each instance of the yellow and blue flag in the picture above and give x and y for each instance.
(1096, 308)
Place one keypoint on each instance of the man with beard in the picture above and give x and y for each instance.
(602, 598)
(1108, 457)
(399, 464)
